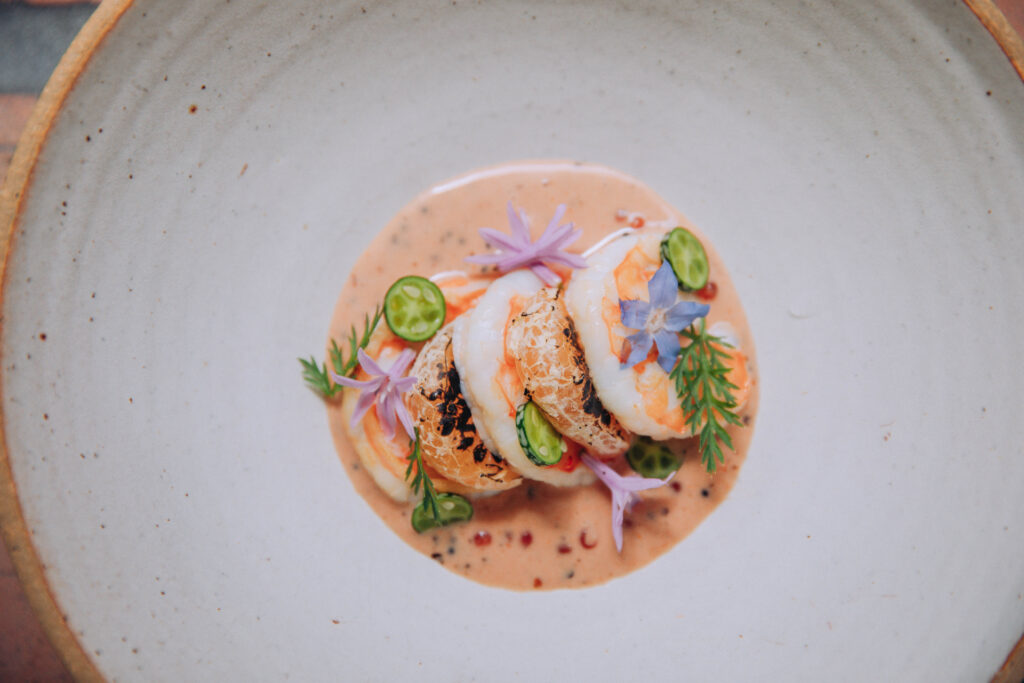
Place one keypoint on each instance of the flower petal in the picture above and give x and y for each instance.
(400, 364)
(518, 225)
(485, 259)
(366, 400)
(386, 413)
(405, 418)
(668, 349)
(634, 313)
(547, 276)
(616, 481)
(618, 514)
(556, 217)
(566, 259)
(366, 385)
(405, 384)
(604, 472)
(639, 346)
(622, 489)
(516, 250)
(643, 483)
(499, 239)
(369, 365)
(574, 235)
(554, 236)
(682, 315)
(520, 258)
(662, 288)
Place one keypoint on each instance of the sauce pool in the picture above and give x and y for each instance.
(536, 536)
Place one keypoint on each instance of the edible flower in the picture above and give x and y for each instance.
(623, 491)
(659, 320)
(385, 388)
(517, 251)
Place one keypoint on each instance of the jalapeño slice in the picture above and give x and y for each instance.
(414, 308)
(541, 443)
(451, 508)
(651, 459)
(686, 255)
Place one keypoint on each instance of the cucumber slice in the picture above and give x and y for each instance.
(542, 444)
(686, 255)
(652, 459)
(451, 508)
(414, 308)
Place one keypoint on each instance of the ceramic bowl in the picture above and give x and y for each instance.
(201, 176)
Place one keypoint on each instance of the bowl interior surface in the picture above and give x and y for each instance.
(216, 171)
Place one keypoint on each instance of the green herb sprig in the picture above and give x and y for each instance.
(703, 387)
(316, 375)
(422, 479)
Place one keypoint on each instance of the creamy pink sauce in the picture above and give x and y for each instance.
(539, 537)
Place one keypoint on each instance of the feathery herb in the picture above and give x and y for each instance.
(317, 376)
(703, 386)
(415, 459)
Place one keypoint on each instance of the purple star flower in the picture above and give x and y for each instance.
(385, 388)
(517, 251)
(623, 491)
(659, 320)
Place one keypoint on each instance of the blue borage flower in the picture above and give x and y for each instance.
(659, 320)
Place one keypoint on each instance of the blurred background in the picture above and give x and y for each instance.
(33, 36)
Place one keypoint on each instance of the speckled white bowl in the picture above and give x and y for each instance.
(217, 167)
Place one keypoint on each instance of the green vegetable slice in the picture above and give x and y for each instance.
(542, 444)
(414, 308)
(686, 255)
(451, 508)
(651, 459)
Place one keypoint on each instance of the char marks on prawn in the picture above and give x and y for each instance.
(456, 415)
(449, 438)
(545, 344)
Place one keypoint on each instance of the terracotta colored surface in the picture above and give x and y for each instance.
(25, 653)
(14, 111)
(50, 3)
(1014, 11)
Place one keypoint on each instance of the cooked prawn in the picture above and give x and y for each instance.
(642, 397)
(448, 435)
(493, 386)
(543, 343)
(384, 459)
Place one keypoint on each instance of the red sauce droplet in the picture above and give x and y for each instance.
(571, 458)
(482, 538)
(583, 540)
(637, 222)
(564, 548)
(708, 292)
(526, 539)
(537, 583)
(676, 486)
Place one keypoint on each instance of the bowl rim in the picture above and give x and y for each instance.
(13, 528)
